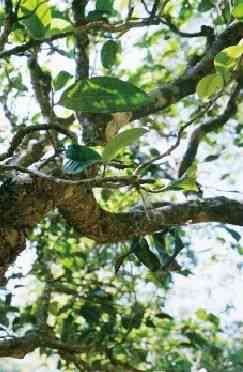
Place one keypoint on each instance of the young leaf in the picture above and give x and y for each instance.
(235, 51)
(37, 17)
(228, 57)
(109, 53)
(59, 25)
(103, 95)
(126, 138)
(209, 85)
(80, 158)
(61, 79)
(237, 11)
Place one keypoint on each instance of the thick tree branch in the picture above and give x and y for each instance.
(18, 347)
(105, 227)
(28, 201)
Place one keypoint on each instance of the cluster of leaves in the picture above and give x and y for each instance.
(226, 62)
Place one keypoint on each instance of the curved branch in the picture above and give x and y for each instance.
(22, 132)
(210, 126)
(18, 347)
(106, 227)
(28, 201)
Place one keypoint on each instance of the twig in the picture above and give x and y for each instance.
(83, 28)
(209, 126)
(109, 182)
(22, 132)
(198, 114)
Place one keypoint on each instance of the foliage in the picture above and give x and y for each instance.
(88, 121)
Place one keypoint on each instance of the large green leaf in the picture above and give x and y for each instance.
(103, 95)
(209, 85)
(126, 138)
(80, 158)
(109, 53)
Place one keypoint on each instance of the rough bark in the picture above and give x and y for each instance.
(30, 200)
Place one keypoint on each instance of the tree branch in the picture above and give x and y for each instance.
(28, 201)
(210, 126)
(22, 132)
(186, 84)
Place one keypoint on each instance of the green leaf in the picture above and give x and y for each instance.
(37, 17)
(141, 250)
(96, 15)
(80, 158)
(58, 26)
(103, 95)
(227, 59)
(209, 85)
(222, 59)
(105, 5)
(61, 80)
(184, 184)
(237, 11)
(82, 153)
(126, 138)
(205, 5)
(233, 52)
(109, 53)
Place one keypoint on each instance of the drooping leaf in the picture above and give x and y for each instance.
(103, 95)
(235, 235)
(209, 85)
(163, 315)
(61, 80)
(141, 250)
(126, 138)
(109, 53)
(80, 158)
